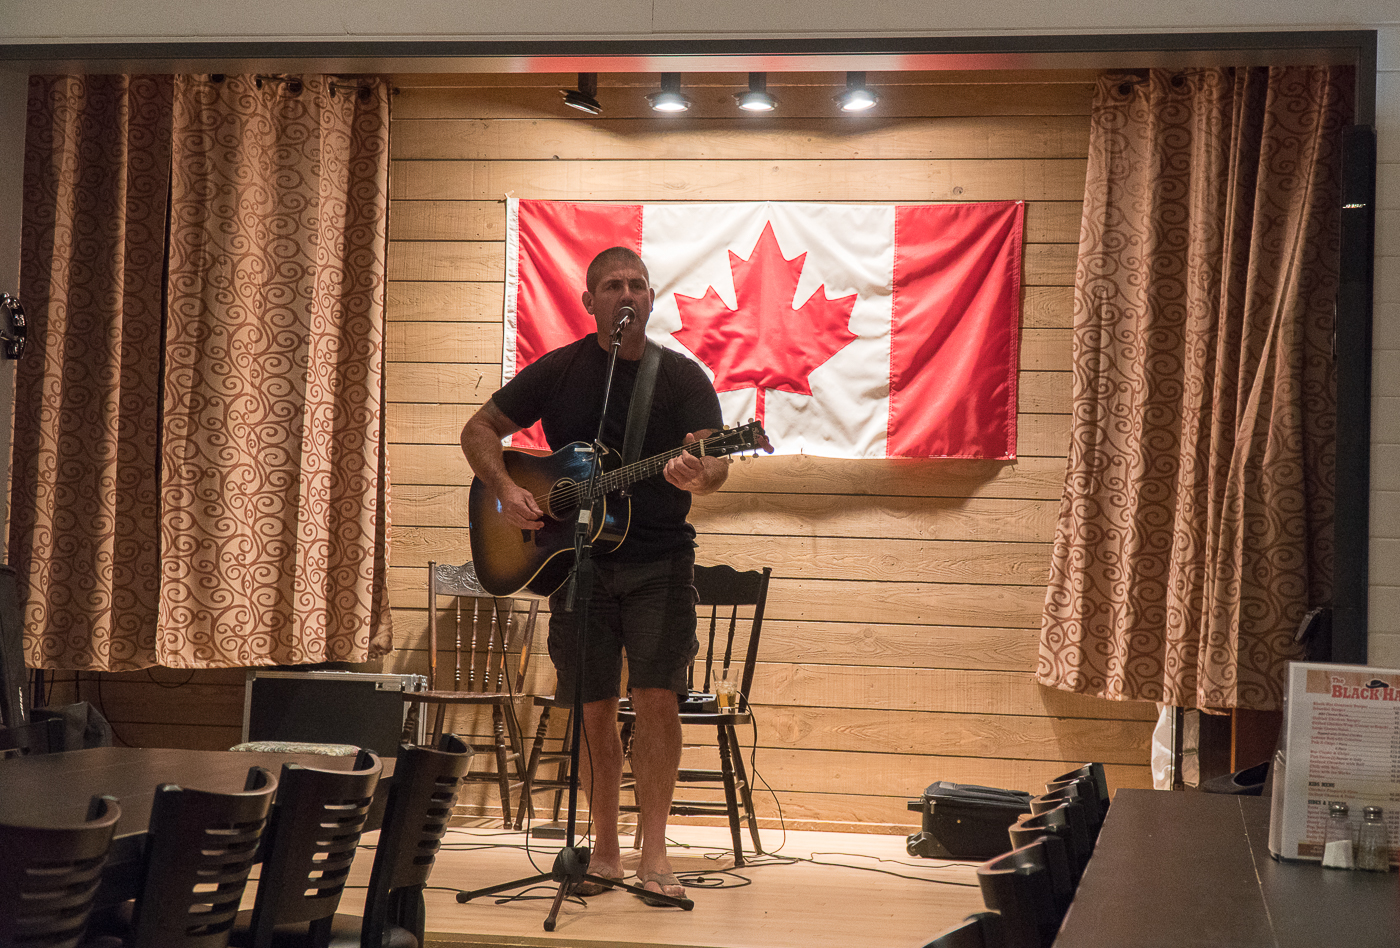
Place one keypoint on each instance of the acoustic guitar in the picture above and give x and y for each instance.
(508, 559)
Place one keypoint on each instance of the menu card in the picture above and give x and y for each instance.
(1340, 742)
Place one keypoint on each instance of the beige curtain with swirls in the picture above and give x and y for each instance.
(273, 488)
(249, 455)
(83, 534)
(1196, 525)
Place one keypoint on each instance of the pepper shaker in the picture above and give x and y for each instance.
(1373, 846)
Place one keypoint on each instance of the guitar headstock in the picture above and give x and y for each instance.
(748, 437)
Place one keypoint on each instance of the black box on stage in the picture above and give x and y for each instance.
(963, 821)
(330, 707)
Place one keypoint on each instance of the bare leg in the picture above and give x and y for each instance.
(656, 755)
(600, 772)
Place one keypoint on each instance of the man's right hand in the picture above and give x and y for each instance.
(481, 443)
(519, 508)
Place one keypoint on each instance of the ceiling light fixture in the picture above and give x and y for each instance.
(857, 98)
(669, 99)
(585, 97)
(757, 98)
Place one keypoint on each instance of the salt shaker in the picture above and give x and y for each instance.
(1373, 844)
(1338, 846)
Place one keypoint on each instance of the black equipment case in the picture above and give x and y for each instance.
(962, 821)
(327, 706)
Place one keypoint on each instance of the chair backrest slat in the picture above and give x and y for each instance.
(522, 631)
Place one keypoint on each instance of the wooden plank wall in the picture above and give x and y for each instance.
(905, 604)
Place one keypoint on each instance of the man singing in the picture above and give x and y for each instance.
(643, 595)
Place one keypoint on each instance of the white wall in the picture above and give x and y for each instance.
(134, 21)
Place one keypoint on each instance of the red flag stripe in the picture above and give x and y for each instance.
(557, 241)
(953, 333)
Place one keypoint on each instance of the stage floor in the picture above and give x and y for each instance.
(817, 889)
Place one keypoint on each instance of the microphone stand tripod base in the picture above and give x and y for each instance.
(571, 868)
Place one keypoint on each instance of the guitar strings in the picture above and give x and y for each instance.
(573, 495)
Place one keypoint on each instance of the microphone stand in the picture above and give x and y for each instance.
(571, 864)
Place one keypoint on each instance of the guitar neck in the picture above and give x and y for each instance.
(629, 474)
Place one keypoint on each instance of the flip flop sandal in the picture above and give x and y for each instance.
(662, 879)
(590, 888)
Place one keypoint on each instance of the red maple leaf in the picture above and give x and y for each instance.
(767, 342)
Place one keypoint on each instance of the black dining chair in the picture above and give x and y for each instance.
(1066, 821)
(1080, 792)
(1091, 785)
(49, 876)
(1098, 782)
(421, 796)
(200, 847)
(310, 844)
(39, 736)
(1030, 888)
(982, 930)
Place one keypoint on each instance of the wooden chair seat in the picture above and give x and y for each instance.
(457, 697)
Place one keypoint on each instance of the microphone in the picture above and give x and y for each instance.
(624, 316)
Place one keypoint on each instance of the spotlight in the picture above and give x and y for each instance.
(857, 98)
(669, 99)
(585, 97)
(757, 98)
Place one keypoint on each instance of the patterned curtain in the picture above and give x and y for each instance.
(274, 489)
(1196, 525)
(84, 535)
(203, 484)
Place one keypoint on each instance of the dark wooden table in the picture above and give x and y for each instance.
(1186, 869)
(55, 789)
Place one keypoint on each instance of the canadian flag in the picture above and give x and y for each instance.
(847, 330)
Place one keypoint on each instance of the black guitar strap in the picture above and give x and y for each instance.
(640, 408)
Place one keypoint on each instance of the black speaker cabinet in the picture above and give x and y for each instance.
(330, 707)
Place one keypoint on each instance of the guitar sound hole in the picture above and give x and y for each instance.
(563, 497)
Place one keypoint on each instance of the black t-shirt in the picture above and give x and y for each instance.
(564, 389)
